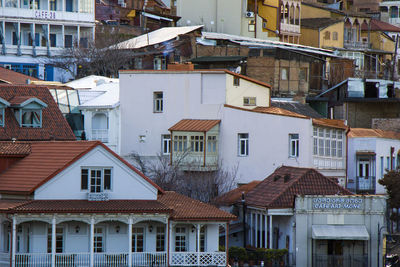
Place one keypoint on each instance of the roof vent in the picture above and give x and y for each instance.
(286, 178)
(276, 178)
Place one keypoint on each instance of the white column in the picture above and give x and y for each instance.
(14, 241)
(53, 242)
(91, 242)
(79, 35)
(251, 228)
(63, 6)
(266, 231)
(170, 239)
(198, 244)
(261, 228)
(270, 232)
(255, 229)
(63, 35)
(130, 222)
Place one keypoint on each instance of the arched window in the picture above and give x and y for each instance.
(99, 121)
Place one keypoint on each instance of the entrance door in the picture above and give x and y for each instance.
(335, 253)
(68, 5)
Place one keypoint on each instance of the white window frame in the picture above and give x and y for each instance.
(2, 121)
(328, 142)
(135, 236)
(182, 239)
(294, 143)
(20, 113)
(160, 238)
(158, 102)
(249, 101)
(50, 239)
(95, 241)
(165, 144)
(102, 179)
(243, 142)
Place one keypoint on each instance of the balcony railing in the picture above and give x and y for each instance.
(4, 259)
(356, 45)
(100, 134)
(198, 259)
(117, 259)
(362, 184)
(340, 260)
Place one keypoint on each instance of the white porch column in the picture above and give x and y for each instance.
(78, 34)
(130, 222)
(63, 35)
(14, 241)
(266, 231)
(170, 239)
(91, 242)
(261, 228)
(198, 244)
(53, 242)
(270, 232)
(251, 228)
(255, 229)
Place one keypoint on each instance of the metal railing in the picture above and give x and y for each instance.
(356, 44)
(340, 260)
(365, 184)
(100, 134)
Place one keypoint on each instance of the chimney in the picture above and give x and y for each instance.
(188, 66)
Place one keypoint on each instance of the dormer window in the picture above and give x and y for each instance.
(3, 105)
(28, 111)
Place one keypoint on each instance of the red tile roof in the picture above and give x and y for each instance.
(188, 125)
(45, 161)
(85, 206)
(280, 188)
(330, 123)
(13, 77)
(17, 100)
(14, 148)
(279, 111)
(378, 25)
(54, 125)
(235, 195)
(6, 204)
(185, 208)
(363, 132)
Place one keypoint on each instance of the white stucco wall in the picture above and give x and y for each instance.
(268, 143)
(381, 147)
(126, 184)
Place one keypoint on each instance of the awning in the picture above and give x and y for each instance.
(156, 17)
(340, 232)
(365, 153)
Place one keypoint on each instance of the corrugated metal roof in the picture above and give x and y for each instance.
(363, 132)
(330, 123)
(188, 125)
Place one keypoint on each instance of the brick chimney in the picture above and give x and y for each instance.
(188, 66)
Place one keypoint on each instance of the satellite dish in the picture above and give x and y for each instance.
(238, 70)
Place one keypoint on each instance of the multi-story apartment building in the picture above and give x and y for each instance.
(32, 32)
(250, 18)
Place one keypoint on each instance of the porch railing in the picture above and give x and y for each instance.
(4, 259)
(142, 259)
(198, 258)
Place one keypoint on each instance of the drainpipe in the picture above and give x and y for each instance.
(255, 16)
(391, 157)
(204, 148)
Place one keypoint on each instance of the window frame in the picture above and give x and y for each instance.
(243, 138)
(294, 145)
(160, 238)
(236, 81)
(21, 112)
(158, 102)
(212, 144)
(166, 144)
(135, 239)
(249, 101)
(95, 241)
(180, 143)
(197, 143)
(49, 238)
(183, 239)
(88, 186)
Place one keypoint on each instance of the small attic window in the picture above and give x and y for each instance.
(286, 178)
(276, 178)
(236, 81)
(28, 112)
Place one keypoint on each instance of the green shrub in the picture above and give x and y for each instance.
(237, 253)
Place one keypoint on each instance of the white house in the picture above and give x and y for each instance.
(100, 108)
(371, 152)
(32, 32)
(207, 120)
(78, 203)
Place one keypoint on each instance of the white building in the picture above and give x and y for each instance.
(31, 32)
(83, 205)
(207, 120)
(371, 153)
(101, 112)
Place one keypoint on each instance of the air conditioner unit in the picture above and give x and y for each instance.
(123, 4)
(249, 14)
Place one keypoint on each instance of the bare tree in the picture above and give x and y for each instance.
(202, 185)
(95, 58)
